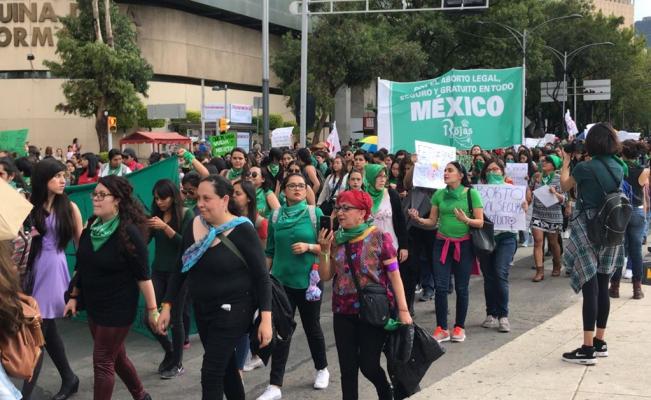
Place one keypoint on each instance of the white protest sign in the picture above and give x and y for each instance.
(213, 112)
(545, 196)
(503, 205)
(623, 135)
(518, 172)
(243, 140)
(241, 113)
(531, 142)
(548, 138)
(282, 137)
(432, 159)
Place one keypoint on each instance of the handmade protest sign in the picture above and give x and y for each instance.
(14, 141)
(518, 172)
(432, 159)
(503, 205)
(461, 108)
(282, 137)
(223, 144)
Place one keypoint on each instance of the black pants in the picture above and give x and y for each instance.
(359, 347)
(219, 331)
(160, 280)
(57, 352)
(596, 303)
(310, 312)
(418, 267)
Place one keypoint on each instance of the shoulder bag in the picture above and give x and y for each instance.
(373, 301)
(483, 239)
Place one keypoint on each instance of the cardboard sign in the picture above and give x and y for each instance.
(222, 144)
(14, 141)
(503, 205)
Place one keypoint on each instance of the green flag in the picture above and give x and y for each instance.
(223, 144)
(14, 141)
(462, 108)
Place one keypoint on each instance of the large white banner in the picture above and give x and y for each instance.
(282, 137)
(503, 205)
(432, 159)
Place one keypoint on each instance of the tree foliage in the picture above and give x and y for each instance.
(98, 77)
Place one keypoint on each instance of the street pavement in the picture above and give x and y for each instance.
(531, 305)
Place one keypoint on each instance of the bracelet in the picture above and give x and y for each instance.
(403, 310)
(325, 253)
(188, 157)
(309, 247)
(71, 297)
(152, 308)
(166, 305)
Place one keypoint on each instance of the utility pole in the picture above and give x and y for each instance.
(303, 113)
(265, 75)
(203, 103)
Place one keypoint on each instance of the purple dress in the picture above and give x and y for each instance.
(51, 276)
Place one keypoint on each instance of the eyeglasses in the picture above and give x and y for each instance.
(188, 191)
(294, 186)
(294, 171)
(345, 208)
(99, 195)
(252, 175)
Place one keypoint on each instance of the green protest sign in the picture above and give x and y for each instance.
(223, 144)
(462, 108)
(14, 141)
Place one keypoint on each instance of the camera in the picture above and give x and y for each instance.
(576, 146)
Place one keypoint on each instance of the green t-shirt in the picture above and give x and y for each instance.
(290, 269)
(446, 201)
(588, 188)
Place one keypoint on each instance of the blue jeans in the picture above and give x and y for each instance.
(495, 268)
(461, 271)
(633, 245)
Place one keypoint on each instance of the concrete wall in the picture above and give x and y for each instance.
(618, 8)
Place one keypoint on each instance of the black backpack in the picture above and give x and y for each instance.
(608, 227)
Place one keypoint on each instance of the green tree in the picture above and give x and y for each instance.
(345, 50)
(99, 77)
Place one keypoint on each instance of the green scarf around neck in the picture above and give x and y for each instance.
(261, 201)
(274, 169)
(346, 235)
(234, 173)
(190, 203)
(547, 179)
(454, 194)
(494, 179)
(100, 232)
(289, 215)
(371, 171)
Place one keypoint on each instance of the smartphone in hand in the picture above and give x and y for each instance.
(325, 222)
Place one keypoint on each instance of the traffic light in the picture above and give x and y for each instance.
(223, 125)
(113, 124)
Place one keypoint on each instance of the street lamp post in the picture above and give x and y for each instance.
(218, 88)
(565, 58)
(522, 39)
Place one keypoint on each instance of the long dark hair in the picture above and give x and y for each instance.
(165, 189)
(495, 161)
(61, 205)
(304, 155)
(249, 191)
(92, 164)
(130, 210)
(11, 311)
(223, 187)
(11, 170)
(465, 181)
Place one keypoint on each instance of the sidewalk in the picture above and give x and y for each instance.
(530, 366)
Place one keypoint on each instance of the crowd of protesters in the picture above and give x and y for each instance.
(237, 226)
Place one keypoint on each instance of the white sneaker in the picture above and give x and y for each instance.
(628, 274)
(271, 393)
(490, 322)
(322, 379)
(254, 363)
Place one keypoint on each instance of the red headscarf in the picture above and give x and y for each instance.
(358, 199)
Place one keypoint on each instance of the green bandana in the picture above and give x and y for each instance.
(274, 169)
(617, 160)
(115, 171)
(288, 215)
(454, 194)
(261, 202)
(371, 171)
(547, 179)
(479, 164)
(234, 173)
(393, 181)
(100, 232)
(494, 179)
(189, 203)
(345, 235)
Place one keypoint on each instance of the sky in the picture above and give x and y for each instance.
(642, 9)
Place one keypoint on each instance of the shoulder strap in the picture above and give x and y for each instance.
(349, 258)
(469, 201)
(231, 246)
(274, 215)
(609, 171)
(312, 211)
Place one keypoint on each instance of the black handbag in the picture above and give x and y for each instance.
(483, 239)
(329, 205)
(373, 300)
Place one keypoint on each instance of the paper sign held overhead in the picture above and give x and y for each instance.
(518, 172)
(432, 159)
(282, 137)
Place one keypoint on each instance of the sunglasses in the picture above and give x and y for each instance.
(191, 192)
(294, 171)
(252, 175)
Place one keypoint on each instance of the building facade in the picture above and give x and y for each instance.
(219, 41)
(618, 8)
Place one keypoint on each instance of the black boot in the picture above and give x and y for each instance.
(67, 389)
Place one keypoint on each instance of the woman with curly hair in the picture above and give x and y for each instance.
(112, 268)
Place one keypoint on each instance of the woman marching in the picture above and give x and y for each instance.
(361, 249)
(57, 221)
(334, 184)
(291, 253)
(591, 265)
(228, 280)
(495, 266)
(453, 250)
(112, 269)
(89, 169)
(169, 220)
(547, 221)
(266, 200)
(238, 165)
